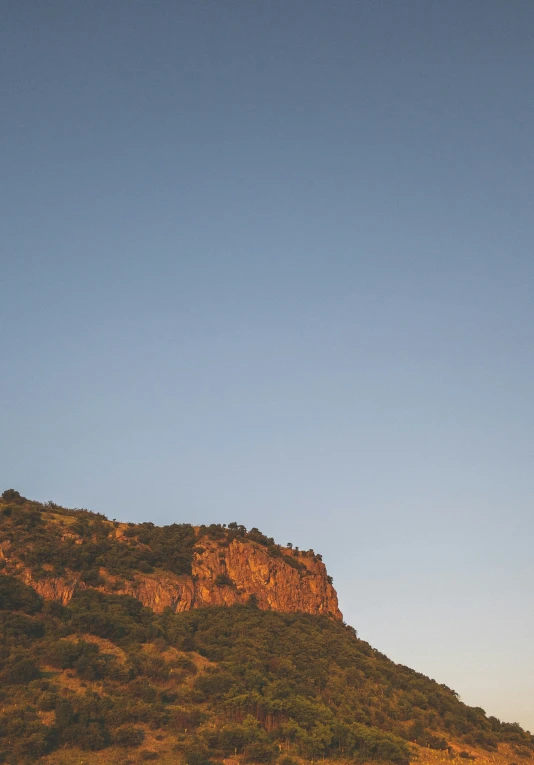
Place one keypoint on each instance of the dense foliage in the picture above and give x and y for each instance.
(50, 540)
(219, 680)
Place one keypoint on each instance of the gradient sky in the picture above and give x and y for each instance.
(272, 262)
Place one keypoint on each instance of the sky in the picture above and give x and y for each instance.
(272, 262)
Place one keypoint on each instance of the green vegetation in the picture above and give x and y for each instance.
(222, 681)
(50, 540)
(265, 687)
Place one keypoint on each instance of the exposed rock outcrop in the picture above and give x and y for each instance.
(221, 575)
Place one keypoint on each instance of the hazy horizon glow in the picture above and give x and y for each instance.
(273, 263)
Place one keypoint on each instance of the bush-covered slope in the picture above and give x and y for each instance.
(104, 671)
(49, 539)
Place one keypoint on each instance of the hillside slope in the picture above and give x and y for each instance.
(103, 679)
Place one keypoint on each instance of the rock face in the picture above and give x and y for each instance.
(221, 575)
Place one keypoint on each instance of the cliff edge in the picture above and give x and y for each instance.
(59, 551)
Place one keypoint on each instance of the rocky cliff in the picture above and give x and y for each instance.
(223, 570)
(246, 567)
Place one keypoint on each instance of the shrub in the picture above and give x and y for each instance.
(197, 754)
(63, 654)
(142, 689)
(261, 751)
(214, 684)
(48, 701)
(183, 719)
(287, 760)
(223, 580)
(36, 743)
(20, 671)
(19, 629)
(13, 496)
(17, 596)
(93, 736)
(127, 735)
(64, 714)
(182, 662)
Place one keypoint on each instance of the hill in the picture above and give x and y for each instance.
(102, 678)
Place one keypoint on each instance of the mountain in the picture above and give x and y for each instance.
(123, 643)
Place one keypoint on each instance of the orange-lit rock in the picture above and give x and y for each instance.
(248, 566)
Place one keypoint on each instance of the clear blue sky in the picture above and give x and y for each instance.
(272, 262)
